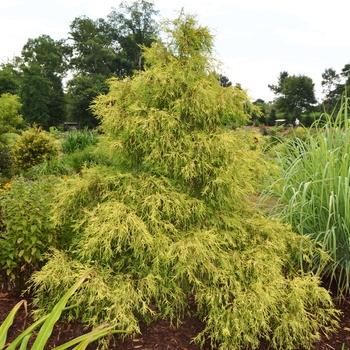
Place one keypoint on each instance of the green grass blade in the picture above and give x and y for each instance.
(84, 340)
(24, 342)
(26, 333)
(8, 322)
(47, 327)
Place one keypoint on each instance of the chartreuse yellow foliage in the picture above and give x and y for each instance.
(171, 218)
(33, 147)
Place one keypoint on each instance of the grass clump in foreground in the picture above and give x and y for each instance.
(172, 220)
(313, 194)
(46, 325)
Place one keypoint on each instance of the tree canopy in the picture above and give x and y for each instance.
(295, 95)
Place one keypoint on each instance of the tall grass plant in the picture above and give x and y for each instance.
(313, 194)
(78, 140)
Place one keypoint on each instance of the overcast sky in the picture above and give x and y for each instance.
(255, 39)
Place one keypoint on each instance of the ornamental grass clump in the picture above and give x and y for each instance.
(78, 140)
(313, 194)
(171, 221)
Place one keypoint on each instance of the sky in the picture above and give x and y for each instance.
(255, 40)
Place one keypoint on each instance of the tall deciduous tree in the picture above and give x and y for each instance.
(134, 26)
(92, 47)
(43, 65)
(9, 78)
(171, 219)
(82, 89)
(106, 48)
(332, 89)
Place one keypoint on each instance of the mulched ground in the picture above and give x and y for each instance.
(159, 335)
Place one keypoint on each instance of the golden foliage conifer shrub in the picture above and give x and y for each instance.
(172, 221)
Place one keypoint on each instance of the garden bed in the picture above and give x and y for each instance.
(159, 335)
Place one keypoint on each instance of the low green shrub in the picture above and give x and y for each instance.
(6, 159)
(8, 138)
(56, 166)
(26, 231)
(33, 147)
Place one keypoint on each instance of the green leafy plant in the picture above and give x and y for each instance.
(33, 147)
(78, 140)
(6, 159)
(57, 166)
(47, 323)
(10, 118)
(25, 228)
(313, 194)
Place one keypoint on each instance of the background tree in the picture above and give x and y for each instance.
(43, 65)
(224, 81)
(265, 116)
(295, 96)
(106, 48)
(171, 218)
(331, 89)
(82, 89)
(277, 89)
(92, 47)
(345, 73)
(134, 26)
(9, 78)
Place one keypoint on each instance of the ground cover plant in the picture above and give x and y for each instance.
(313, 194)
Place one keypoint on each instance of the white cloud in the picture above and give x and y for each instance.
(91, 8)
(6, 4)
(312, 38)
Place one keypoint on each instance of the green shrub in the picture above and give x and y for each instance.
(313, 193)
(6, 159)
(26, 231)
(78, 140)
(8, 138)
(33, 147)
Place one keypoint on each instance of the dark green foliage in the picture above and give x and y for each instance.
(33, 147)
(6, 159)
(81, 91)
(9, 79)
(43, 64)
(134, 27)
(295, 95)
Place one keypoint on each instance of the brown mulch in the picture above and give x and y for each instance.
(157, 336)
